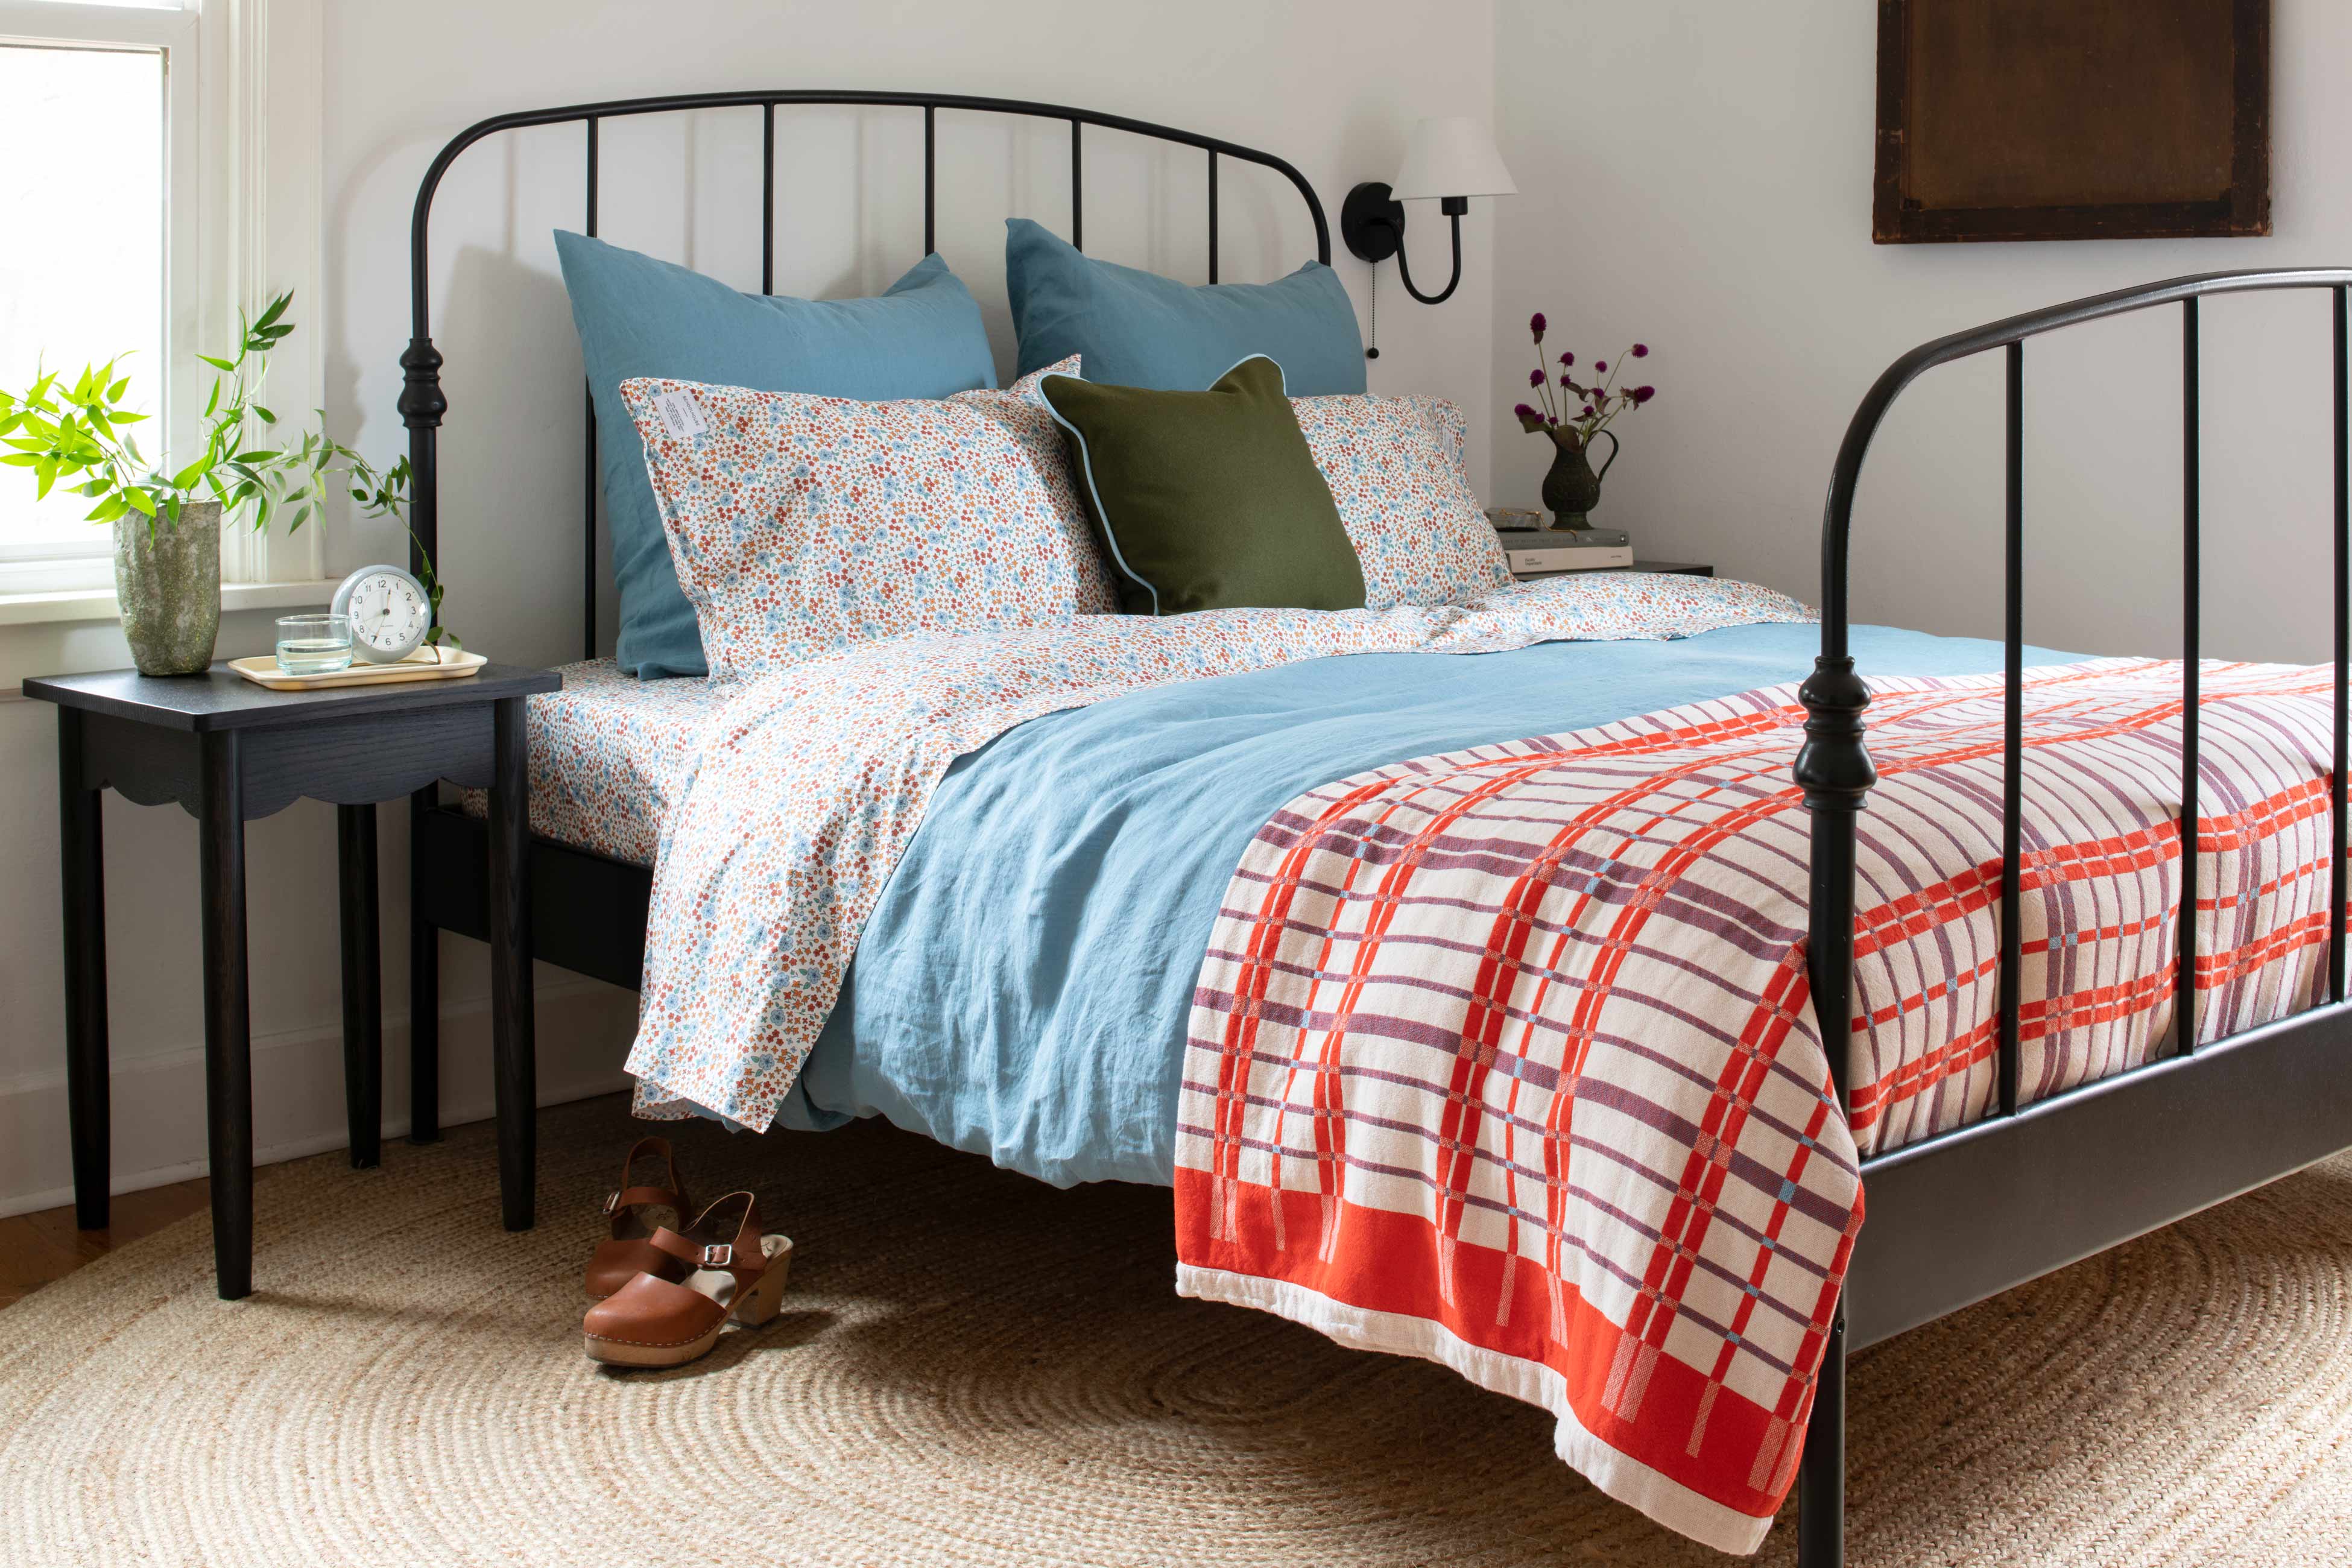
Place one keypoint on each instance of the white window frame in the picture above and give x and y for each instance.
(244, 199)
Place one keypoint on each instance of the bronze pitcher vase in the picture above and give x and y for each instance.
(1571, 489)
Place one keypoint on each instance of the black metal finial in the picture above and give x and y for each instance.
(421, 402)
(1833, 766)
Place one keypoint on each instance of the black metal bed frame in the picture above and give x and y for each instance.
(1954, 1219)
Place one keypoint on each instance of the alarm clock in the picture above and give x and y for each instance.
(389, 612)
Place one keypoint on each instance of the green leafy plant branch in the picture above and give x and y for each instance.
(60, 429)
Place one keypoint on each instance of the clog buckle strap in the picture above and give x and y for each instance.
(720, 1256)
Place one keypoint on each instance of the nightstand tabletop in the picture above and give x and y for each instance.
(220, 698)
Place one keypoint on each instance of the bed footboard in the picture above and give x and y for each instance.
(1967, 1214)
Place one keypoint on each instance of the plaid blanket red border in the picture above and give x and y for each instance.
(1507, 1059)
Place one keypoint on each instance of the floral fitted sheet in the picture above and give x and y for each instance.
(607, 754)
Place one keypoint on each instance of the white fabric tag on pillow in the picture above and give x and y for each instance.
(681, 415)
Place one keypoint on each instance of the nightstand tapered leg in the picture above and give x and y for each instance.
(513, 1045)
(83, 862)
(228, 1022)
(424, 986)
(362, 985)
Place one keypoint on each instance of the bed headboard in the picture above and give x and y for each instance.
(422, 403)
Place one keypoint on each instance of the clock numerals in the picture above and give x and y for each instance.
(389, 614)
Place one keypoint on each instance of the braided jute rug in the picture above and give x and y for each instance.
(975, 1369)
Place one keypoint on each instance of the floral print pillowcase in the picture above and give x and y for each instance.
(1396, 467)
(801, 525)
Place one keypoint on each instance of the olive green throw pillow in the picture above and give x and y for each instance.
(1206, 501)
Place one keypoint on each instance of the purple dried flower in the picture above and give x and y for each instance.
(1641, 351)
(1536, 325)
(1567, 359)
(1643, 394)
(1600, 367)
(1535, 378)
(1553, 420)
(1565, 380)
(1588, 411)
(1523, 411)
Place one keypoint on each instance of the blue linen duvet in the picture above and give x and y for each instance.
(1021, 989)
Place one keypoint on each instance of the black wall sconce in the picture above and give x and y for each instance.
(1450, 159)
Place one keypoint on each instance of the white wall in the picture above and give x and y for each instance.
(1698, 175)
(1330, 86)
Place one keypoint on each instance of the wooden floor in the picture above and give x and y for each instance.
(35, 1249)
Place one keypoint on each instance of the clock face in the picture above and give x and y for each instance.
(389, 615)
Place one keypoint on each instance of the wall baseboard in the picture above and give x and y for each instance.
(298, 1093)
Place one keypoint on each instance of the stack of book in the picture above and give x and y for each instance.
(1566, 550)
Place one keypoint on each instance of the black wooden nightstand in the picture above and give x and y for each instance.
(229, 751)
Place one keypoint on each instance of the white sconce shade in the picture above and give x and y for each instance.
(1451, 156)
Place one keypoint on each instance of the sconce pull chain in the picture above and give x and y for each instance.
(1372, 311)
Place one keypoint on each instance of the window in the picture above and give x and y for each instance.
(89, 270)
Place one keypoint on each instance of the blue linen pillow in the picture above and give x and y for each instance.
(641, 316)
(1139, 329)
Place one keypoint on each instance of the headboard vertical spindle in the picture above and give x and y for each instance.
(588, 485)
(1213, 214)
(768, 198)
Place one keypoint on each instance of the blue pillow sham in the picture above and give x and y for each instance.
(1139, 329)
(641, 316)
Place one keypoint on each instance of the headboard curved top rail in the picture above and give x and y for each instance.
(619, 107)
(422, 402)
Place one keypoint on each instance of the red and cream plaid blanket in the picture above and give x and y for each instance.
(1506, 1058)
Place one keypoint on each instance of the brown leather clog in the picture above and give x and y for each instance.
(668, 1321)
(629, 1250)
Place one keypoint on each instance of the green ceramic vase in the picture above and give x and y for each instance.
(167, 577)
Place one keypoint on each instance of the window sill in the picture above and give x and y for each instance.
(99, 604)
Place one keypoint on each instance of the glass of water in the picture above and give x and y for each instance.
(314, 645)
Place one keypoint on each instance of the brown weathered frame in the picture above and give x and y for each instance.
(1896, 218)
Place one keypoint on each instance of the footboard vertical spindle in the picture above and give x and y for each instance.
(2012, 744)
(1833, 769)
(2184, 1006)
(2343, 644)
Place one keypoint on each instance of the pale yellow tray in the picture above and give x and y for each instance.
(424, 664)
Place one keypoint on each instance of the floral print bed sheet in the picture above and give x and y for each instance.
(808, 781)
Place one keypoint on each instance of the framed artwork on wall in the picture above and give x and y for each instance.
(2072, 119)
